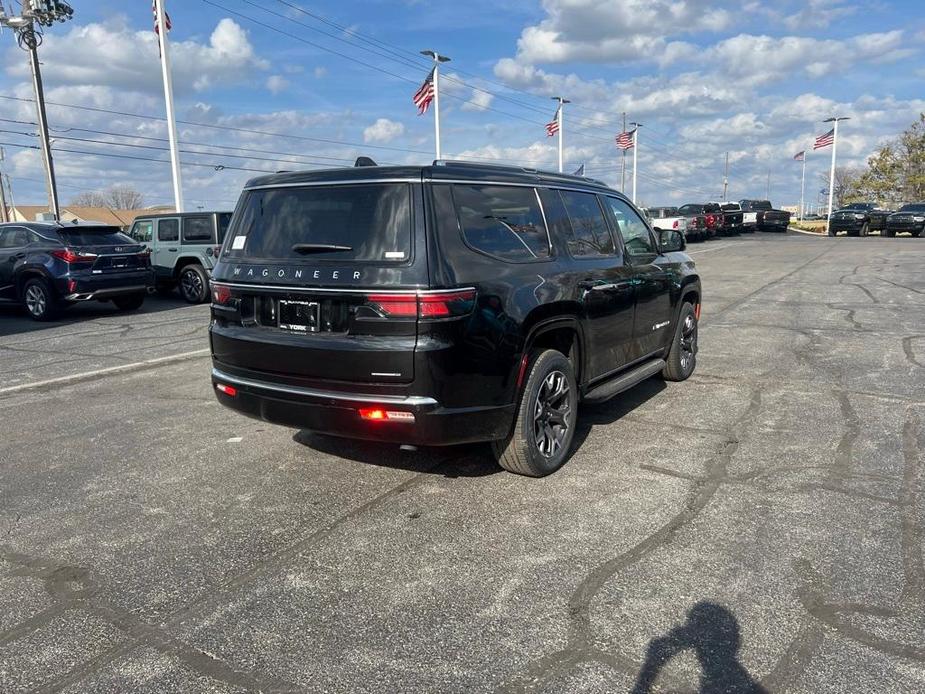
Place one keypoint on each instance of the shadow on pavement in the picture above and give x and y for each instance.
(712, 633)
(14, 320)
(472, 460)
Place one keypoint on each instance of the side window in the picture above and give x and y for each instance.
(142, 230)
(6, 238)
(590, 236)
(635, 234)
(502, 221)
(224, 219)
(168, 230)
(14, 237)
(197, 229)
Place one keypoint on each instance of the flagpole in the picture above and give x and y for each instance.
(168, 99)
(834, 120)
(802, 186)
(559, 122)
(636, 127)
(437, 58)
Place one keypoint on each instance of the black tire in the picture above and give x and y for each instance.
(916, 234)
(865, 230)
(831, 232)
(129, 302)
(682, 356)
(538, 445)
(889, 234)
(39, 300)
(194, 284)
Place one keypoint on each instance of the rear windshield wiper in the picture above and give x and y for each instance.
(306, 248)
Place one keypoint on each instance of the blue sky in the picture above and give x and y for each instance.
(703, 76)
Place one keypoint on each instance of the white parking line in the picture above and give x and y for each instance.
(88, 375)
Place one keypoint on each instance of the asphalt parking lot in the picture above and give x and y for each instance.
(759, 526)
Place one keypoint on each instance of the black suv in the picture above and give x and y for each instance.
(909, 218)
(47, 266)
(858, 219)
(445, 304)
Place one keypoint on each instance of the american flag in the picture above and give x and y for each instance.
(625, 139)
(799, 156)
(425, 93)
(825, 140)
(552, 127)
(157, 29)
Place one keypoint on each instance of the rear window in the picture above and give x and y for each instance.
(691, 209)
(93, 236)
(502, 221)
(912, 208)
(730, 207)
(224, 218)
(369, 222)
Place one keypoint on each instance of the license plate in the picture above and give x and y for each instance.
(300, 316)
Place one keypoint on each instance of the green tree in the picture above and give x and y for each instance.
(896, 172)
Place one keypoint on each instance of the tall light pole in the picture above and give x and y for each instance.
(44, 13)
(437, 58)
(561, 118)
(636, 127)
(623, 169)
(161, 28)
(835, 120)
(726, 177)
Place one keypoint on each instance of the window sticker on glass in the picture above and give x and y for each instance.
(399, 255)
(238, 243)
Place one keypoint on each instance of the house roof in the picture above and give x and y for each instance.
(105, 215)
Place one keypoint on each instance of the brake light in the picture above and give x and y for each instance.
(230, 391)
(675, 225)
(375, 414)
(221, 294)
(425, 304)
(71, 256)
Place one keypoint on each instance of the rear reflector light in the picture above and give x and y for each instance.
(221, 294)
(230, 391)
(374, 414)
(438, 304)
(71, 285)
(71, 256)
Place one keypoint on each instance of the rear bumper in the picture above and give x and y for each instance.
(86, 288)
(337, 413)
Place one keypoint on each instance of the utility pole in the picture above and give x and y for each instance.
(29, 37)
(623, 171)
(636, 127)
(726, 177)
(835, 120)
(768, 196)
(437, 58)
(4, 216)
(560, 117)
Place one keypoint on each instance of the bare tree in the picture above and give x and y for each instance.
(118, 197)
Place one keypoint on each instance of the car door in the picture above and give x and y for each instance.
(602, 284)
(167, 246)
(12, 250)
(652, 274)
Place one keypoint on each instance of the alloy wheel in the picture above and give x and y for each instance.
(688, 342)
(551, 414)
(36, 300)
(191, 284)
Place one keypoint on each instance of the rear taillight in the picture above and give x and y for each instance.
(230, 391)
(424, 305)
(676, 224)
(221, 294)
(72, 256)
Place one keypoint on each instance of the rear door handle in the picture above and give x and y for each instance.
(172, 250)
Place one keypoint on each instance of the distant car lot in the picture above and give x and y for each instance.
(766, 517)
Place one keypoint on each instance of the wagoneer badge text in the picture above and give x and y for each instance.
(296, 274)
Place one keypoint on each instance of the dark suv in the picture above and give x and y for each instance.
(445, 304)
(47, 266)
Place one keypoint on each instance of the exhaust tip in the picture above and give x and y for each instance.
(408, 448)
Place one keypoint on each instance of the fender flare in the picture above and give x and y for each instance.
(547, 325)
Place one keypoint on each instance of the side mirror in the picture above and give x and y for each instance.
(670, 240)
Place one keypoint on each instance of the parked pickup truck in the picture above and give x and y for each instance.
(766, 218)
(910, 218)
(733, 217)
(711, 212)
(670, 218)
(858, 219)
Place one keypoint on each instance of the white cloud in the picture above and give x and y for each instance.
(320, 72)
(277, 84)
(383, 130)
(113, 55)
(479, 102)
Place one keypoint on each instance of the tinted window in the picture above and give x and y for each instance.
(635, 234)
(373, 222)
(912, 208)
(730, 207)
(589, 233)
(142, 230)
(197, 229)
(224, 219)
(502, 221)
(14, 237)
(691, 209)
(94, 236)
(168, 230)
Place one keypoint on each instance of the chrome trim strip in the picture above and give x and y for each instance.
(590, 188)
(332, 290)
(313, 184)
(407, 401)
